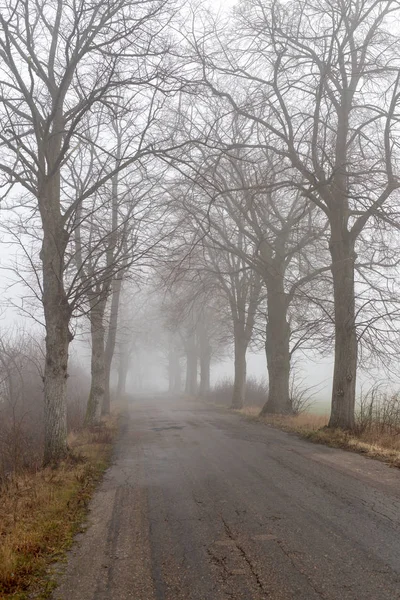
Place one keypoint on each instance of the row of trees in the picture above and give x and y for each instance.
(251, 161)
(296, 181)
(82, 89)
(301, 111)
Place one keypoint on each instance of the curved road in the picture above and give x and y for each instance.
(201, 504)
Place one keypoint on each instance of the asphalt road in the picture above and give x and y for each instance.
(201, 504)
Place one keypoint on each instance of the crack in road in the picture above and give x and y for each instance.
(246, 558)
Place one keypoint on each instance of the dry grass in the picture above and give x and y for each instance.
(373, 442)
(40, 512)
(249, 411)
(304, 422)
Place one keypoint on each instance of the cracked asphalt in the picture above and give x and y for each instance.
(201, 504)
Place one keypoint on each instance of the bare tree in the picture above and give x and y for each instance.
(107, 244)
(241, 286)
(194, 312)
(102, 254)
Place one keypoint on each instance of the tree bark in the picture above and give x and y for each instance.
(205, 372)
(96, 395)
(345, 366)
(110, 344)
(239, 384)
(121, 386)
(243, 325)
(191, 366)
(277, 347)
(174, 372)
(178, 377)
(123, 369)
(57, 313)
(205, 352)
(116, 285)
(58, 338)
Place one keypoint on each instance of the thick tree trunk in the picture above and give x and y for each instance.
(58, 338)
(57, 315)
(345, 367)
(191, 366)
(277, 347)
(239, 385)
(96, 395)
(110, 345)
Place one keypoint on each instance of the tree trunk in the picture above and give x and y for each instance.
(57, 315)
(239, 385)
(110, 345)
(277, 347)
(58, 338)
(345, 367)
(116, 283)
(205, 352)
(205, 372)
(96, 395)
(123, 369)
(191, 366)
(174, 372)
(243, 325)
(178, 377)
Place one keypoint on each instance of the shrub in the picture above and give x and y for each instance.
(301, 396)
(256, 392)
(378, 409)
(221, 392)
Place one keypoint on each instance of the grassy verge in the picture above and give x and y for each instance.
(374, 441)
(40, 513)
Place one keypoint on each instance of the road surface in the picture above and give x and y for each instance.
(201, 504)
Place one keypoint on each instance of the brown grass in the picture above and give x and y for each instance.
(373, 442)
(302, 422)
(40, 513)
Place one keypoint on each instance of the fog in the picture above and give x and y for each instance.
(200, 275)
(215, 212)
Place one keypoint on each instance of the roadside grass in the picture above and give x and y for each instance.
(374, 441)
(304, 422)
(40, 513)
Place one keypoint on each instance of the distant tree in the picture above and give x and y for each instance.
(194, 313)
(251, 218)
(243, 289)
(111, 237)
